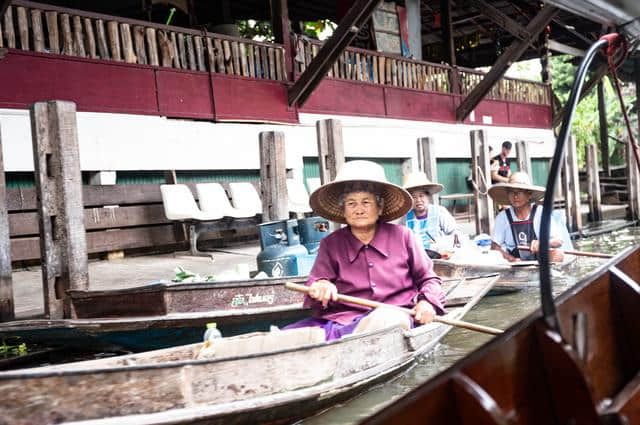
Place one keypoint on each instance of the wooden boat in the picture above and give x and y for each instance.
(162, 315)
(588, 373)
(513, 277)
(255, 378)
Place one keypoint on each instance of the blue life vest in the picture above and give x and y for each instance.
(426, 226)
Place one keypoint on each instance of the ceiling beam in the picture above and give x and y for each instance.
(511, 54)
(357, 15)
(564, 49)
(502, 20)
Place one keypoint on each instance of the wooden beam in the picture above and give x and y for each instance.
(604, 130)
(7, 311)
(593, 182)
(427, 162)
(330, 149)
(4, 4)
(511, 26)
(599, 73)
(480, 163)
(572, 195)
(513, 52)
(281, 32)
(332, 48)
(448, 46)
(565, 49)
(273, 176)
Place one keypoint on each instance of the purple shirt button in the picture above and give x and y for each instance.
(370, 264)
(373, 285)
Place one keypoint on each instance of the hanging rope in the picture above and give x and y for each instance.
(484, 182)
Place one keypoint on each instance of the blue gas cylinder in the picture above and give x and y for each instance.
(280, 243)
(312, 230)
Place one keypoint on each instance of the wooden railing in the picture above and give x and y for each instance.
(509, 89)
(375, 67)
(89, 35)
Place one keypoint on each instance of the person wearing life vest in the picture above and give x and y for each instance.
(519, 223)
(428, 222)
(502, 170)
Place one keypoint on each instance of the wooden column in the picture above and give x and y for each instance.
(330, 149)
(273, 176)
(282, 34)
(633, 185)
(63, 243)
(593, 182)
(480, 159)
(7, 311)
(427, 162)
(572, 197)
(524, 159)
(604, 130)
(448, 46)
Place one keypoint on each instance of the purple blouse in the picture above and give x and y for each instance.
(393, 268)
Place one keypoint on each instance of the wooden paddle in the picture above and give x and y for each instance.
(579, 253)
(375, 304)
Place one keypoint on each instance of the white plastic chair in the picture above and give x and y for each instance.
(313, 183)
(213, 198)
(298, 197)
(245, 197)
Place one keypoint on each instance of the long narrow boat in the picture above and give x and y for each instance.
(162, 315)
(589, 373)
(254, 378)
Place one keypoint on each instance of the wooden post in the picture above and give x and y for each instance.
(427, 162)
(282, 34)
(273, 176)
(330, 149)
(448, 48)
(7, 311)
(524, 159)
(593, 182)
(633, 185)
(572, 200)
(484, 203)
(63, 243)
(604, 131)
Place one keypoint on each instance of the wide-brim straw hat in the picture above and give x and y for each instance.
(518, 180)
(417, 180)
(325, 200)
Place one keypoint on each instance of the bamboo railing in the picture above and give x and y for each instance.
(509, 89)
(375, 67)
(50, 29)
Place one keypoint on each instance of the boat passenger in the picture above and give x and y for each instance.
(429, 222)
(521, 220)
(369, 257)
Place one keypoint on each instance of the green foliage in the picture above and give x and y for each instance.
(318, 29)
(586, 121)
(255, 30)
(12, 350)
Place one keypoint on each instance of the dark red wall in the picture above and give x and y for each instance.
(104, 86)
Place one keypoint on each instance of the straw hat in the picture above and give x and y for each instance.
(518, 180)
(418, 180)
(325, 200)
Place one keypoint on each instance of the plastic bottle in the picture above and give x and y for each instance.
(212, 332)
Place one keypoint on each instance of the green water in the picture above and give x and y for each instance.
(500, 312)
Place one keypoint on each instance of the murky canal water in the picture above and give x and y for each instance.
(500, 312)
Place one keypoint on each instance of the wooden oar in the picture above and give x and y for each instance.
(375, 304)
(579, 253)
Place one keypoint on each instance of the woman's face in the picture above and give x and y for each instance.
(518, 198)
(361, 211)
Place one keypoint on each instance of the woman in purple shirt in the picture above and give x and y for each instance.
(369, 258)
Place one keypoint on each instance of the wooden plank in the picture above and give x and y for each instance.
(175, 55)
(251, 60)
(140, 51)
(38, 33)
(228, 62)
(191, 55)
(219, 51)
(511, 54)
(59, 185)
(114, 41)
(211, 57)
(281, 35)
(78, 37)
(166, 49)
(182, 52)
(575, 223)
(280, 65)
(604, 131)
(235, 54)
(523, 157)
(264, 62)
(564, 49)
(127, 44)
(7, 311)
(502, 20)
(357, 15)
(91, 39)
(273, 176)
(9, 33)
(330, 148)
(448, 45)
(272, 63)
(152, 46)
(23, 28)
(199, 50)
(593, 182)
(103, 48)
(1, 38)
(67, 37)
(427, 162)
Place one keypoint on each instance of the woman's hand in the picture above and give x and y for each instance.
(535, 246)
(556, 255)
(322, 290)
(424, 312)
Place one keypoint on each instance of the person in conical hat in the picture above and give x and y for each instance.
(519, 224)
(429, 222)
(369, 257)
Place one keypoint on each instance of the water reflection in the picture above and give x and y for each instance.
(500, 312)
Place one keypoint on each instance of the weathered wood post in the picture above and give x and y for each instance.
(482, 176)
(427, 162)
(572, 197)
(593, 182)
(604, 131)
(273, 176)
(633, 184)
(523, 157)
(330, 148)
(63, 243)
(7, 311)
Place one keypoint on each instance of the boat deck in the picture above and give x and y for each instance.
(131, 271)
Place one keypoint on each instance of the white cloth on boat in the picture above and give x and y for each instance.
(502, 231)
